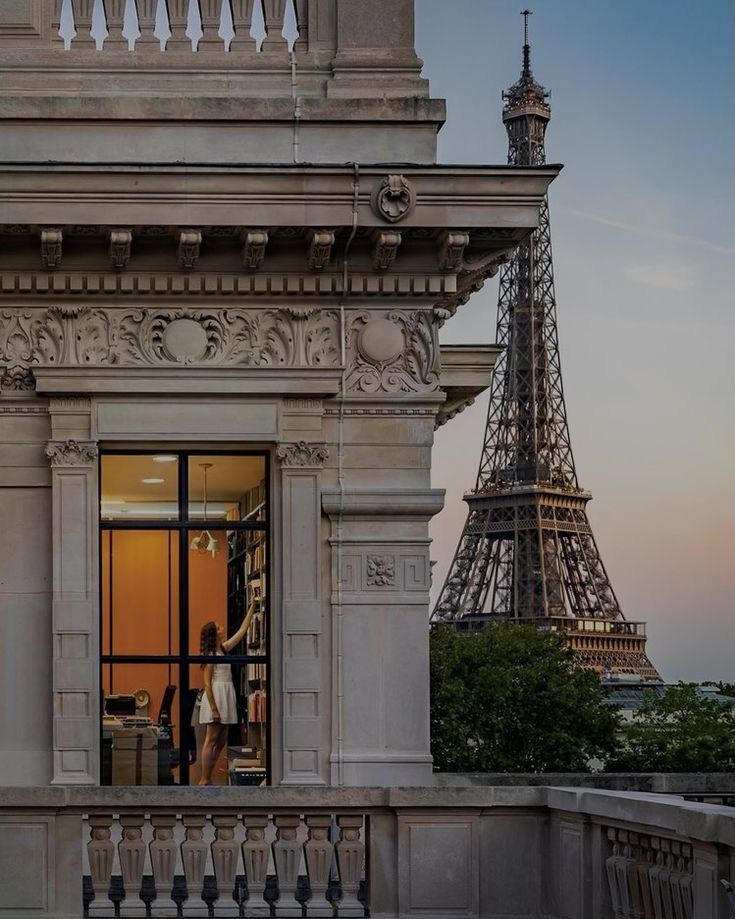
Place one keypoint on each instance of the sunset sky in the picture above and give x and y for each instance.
(642, 228)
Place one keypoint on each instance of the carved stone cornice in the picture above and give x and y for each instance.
(301, 454)
(72, 452)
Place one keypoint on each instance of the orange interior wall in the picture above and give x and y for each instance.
(207, 589)
(140, 571)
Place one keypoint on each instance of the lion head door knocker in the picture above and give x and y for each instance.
(394, 198)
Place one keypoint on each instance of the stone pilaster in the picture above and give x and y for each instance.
(380, 617)
(73, 457)
(302, 632)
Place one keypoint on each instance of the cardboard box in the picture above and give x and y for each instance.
(134, 757)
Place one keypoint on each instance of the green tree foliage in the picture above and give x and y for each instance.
(679, 732)
(510, 699)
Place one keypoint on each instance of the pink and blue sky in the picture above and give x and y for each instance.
(644, 251)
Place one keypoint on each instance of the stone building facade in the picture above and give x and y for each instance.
(234, 251)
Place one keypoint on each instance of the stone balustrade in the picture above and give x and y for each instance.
(481, 852)
(176, 853)
(177, 24)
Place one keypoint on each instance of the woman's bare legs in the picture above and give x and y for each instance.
(214, 743)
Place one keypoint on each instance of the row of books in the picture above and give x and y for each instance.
(257, 706)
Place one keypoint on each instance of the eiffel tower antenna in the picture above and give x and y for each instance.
(527, 552)
(526, 46)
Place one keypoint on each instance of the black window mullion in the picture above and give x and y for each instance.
(183, 615)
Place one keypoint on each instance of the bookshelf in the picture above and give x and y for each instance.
(247, 583)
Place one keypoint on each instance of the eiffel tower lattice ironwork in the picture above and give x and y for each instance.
(527, 552)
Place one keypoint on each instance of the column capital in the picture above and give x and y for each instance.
(72, 452)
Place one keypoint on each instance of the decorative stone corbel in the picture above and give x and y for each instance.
(386, 249)
(301, 454)
(253, 247)
(450, 247)
(121, 242)
(320, 248)
(71, 452)
(51, 241)
(189, 244)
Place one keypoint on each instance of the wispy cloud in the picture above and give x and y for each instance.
(663, 276)
(650, 232)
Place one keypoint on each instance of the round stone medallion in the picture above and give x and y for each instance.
(380, 341)
(185, 340)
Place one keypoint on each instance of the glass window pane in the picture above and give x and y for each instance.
(141, 487)
(140, 730)
(231, 487)
(233, 749)
(140, 592)
(227, 586)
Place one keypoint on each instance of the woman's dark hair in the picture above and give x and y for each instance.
(208, 640)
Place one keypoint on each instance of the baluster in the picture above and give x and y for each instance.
(241, 18)
(287, 856)
(633, 879)
(655, 878)
(100, 855)
(318, 853)
(194, 857)
(163, 861)
(178, 18)
(643, 868)
(224, 856)
(350, 855)
(613, 878)
(211, 15)
(255, 854)
(131, 849)
(687, 883)
(147, 25)
(667, 901)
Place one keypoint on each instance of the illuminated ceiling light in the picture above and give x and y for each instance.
(165, 458)
(152, 481)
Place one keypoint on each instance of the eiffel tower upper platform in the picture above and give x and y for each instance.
(527, 552)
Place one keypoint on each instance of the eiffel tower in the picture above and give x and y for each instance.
(527, 552)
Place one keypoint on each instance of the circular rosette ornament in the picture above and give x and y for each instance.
(394, 198)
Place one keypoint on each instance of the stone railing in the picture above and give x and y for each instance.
(478, 852)
(163, 860)
(180, 24)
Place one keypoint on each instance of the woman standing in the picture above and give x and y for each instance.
(218, 707)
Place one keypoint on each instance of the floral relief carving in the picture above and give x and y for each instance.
(63, 336)
(302, 454)
(71, 452)
(381, 571)
(404, 360)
